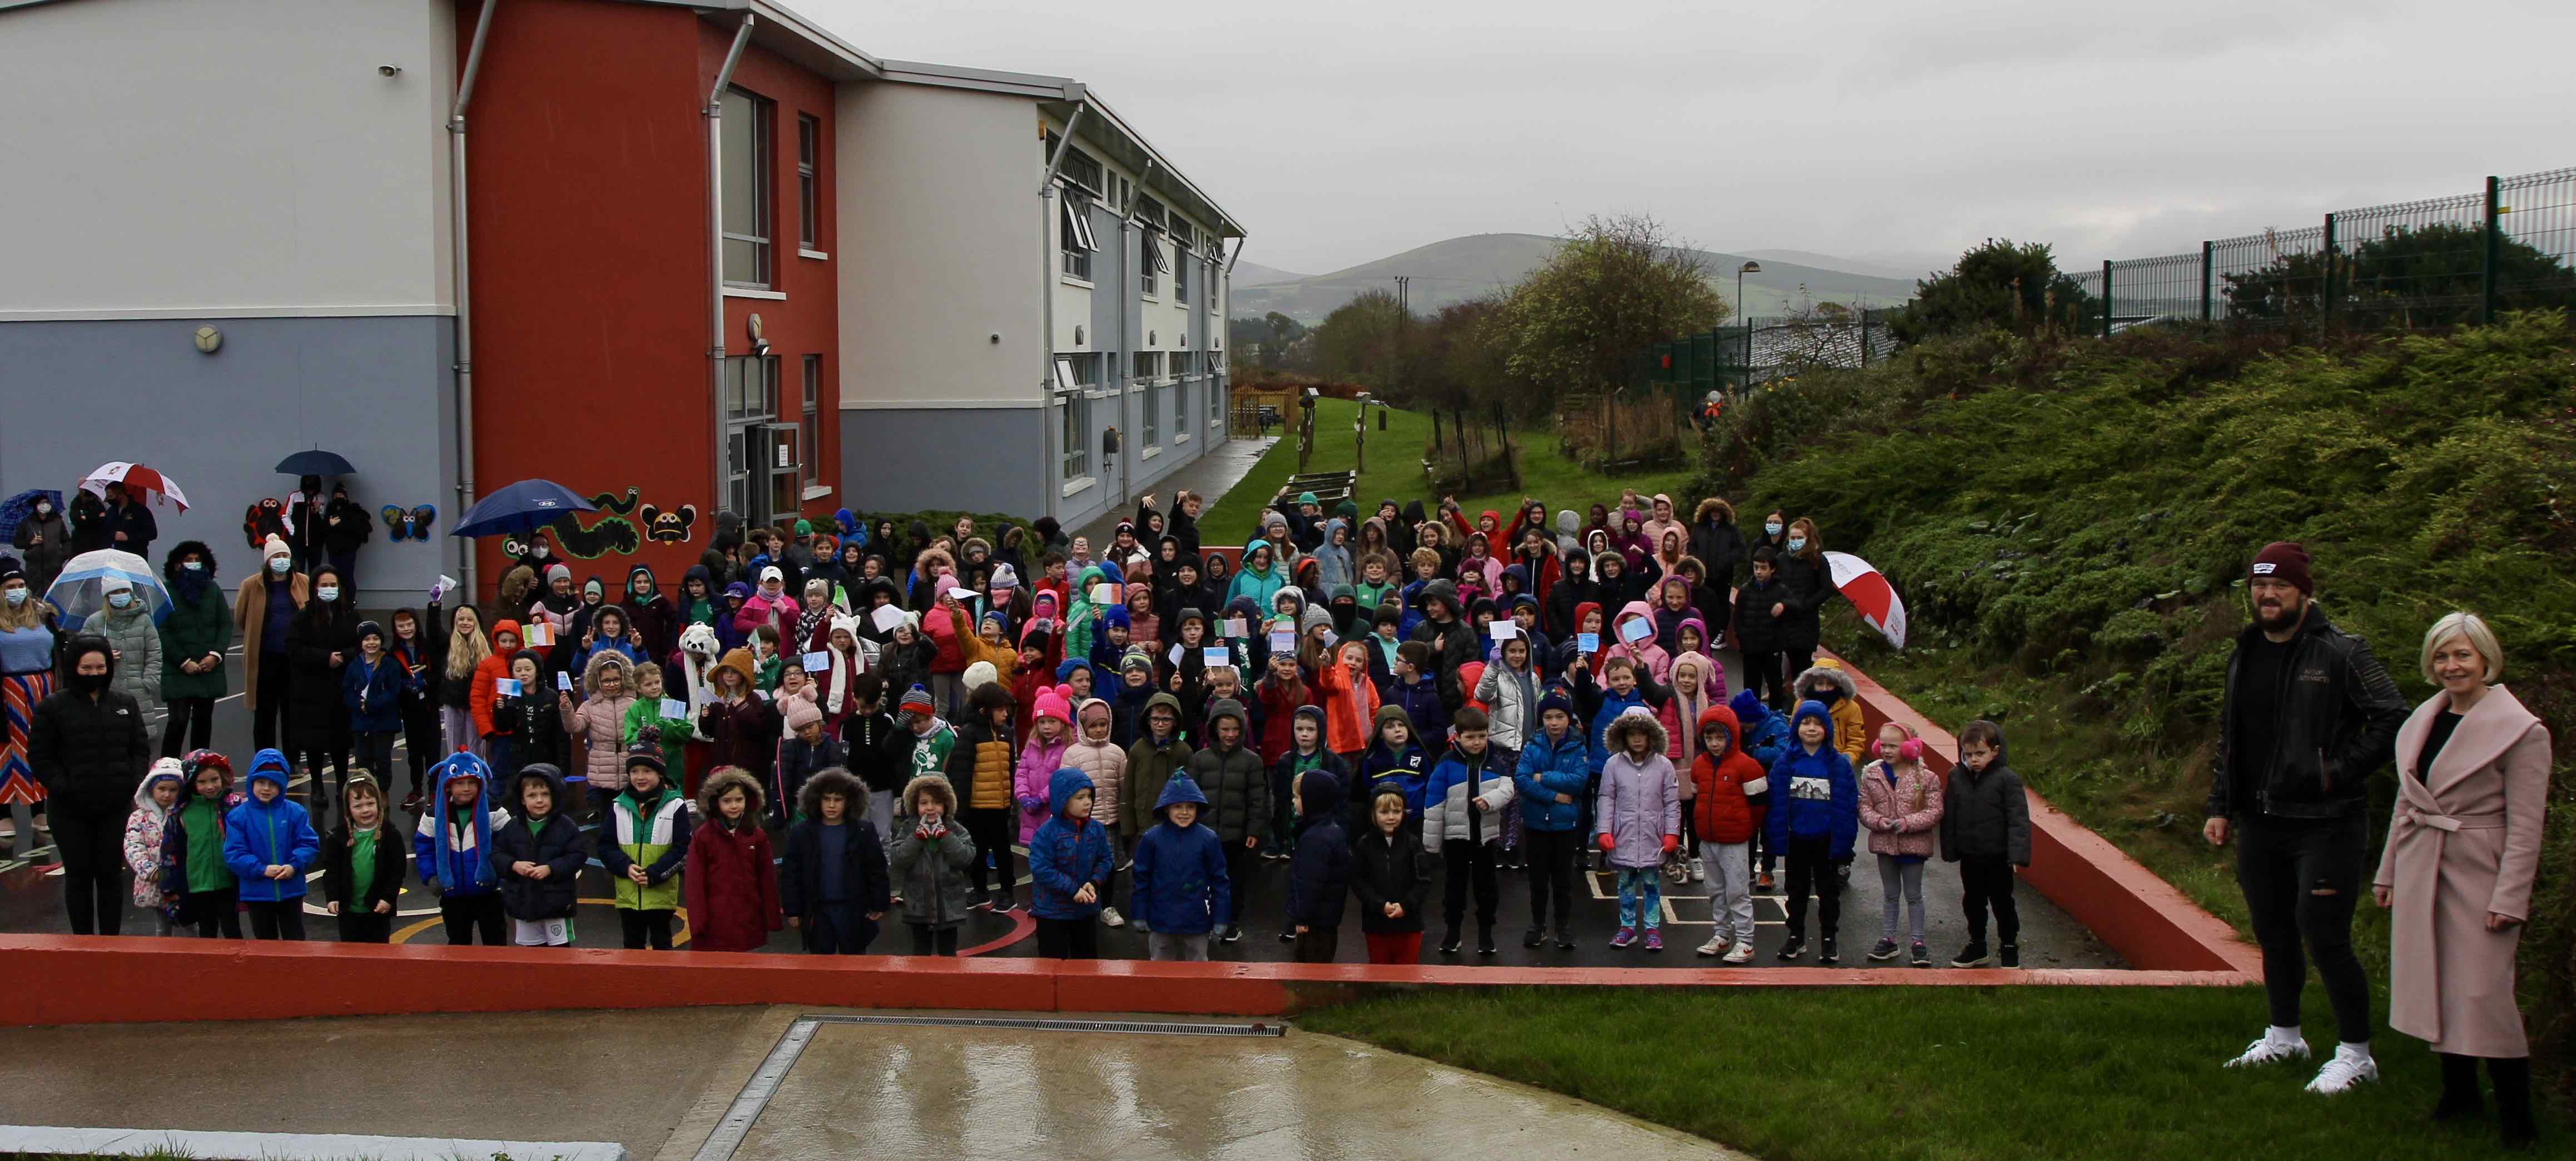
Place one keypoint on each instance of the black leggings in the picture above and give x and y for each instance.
(466, 915)
(191, 726)
(1465, 864)
(645, 928)
(92, 848)
(991, 830)
(1985, 883)
(281, 920)
(1069, 938)
(363, 925)
(1551, 878)
(214, 911)
(421, 746)
(1764, 676)
(269, 719)
(1811, 868)
(1242, 863)
(927, 940)
(2301, 878)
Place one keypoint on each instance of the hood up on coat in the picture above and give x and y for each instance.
(1635, 720)
(932, 784)
(1721, 716)
(269, 765)
(544, 772)
(1830, 673)
(163, 770)
(834, 780)
(1062, 786)
(1816, 710)
(724, 778)
(1182, 788)
(601, 661)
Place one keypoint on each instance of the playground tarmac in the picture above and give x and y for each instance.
(759, 1083)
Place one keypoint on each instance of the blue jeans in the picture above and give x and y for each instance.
(1641, 889)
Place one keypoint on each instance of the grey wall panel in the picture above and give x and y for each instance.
(377, 390)
(976, 459)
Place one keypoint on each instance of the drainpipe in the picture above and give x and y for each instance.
(714, 112)
(1046, 285)
(458, 260)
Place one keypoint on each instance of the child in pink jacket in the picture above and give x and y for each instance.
(1900, 809)
(1049, 738)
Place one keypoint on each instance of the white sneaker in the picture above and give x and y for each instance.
(1743, 953)
(1699, 871)
(1110, 916)
(2265, 1050)
(2342, 1071)
(1715, 944)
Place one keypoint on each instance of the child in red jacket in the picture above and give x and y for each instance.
(1728, 792)
(730, 882)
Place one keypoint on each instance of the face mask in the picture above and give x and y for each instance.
(542, 552)
(194, 565)
(279, 565)
(44, 509)
(120, 600)
(17, 597)
(1773, 528)
(1797, 544)
(328, 593)
(89, 682)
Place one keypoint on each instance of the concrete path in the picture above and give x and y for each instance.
(1209, 475)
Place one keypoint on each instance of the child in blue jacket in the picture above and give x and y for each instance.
(1180, 884)
(1396, 759)
(1069, 867)
(1553, 777)
(269, 843)
(452, 850)
(371, 686)
(1815, 814)
(1766, 736)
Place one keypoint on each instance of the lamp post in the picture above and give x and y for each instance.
(1745, 320)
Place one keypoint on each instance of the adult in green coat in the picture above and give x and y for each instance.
(193, 640)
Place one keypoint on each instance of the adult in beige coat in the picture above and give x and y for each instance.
(267, 702)
(2473, 782)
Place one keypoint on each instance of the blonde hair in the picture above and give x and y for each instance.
(31, 615)
(2471, 628)
(465, 650)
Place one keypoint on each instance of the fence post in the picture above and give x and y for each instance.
(1864, 336)
(2325, 289)
(2106, 298)
(2206, 249)
(2489, 274)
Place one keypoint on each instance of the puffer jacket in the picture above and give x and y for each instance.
(193, 630)
(554, 842)
(1236, 781)
(1730, 792)
(493, 667)
(259, 835)
(88, 753)
(1319, 873)
(137, 642)
(1033, 779)
(1550, 767)
(1813, 795)
(652, 833)
(1180, 881)
(1851, 730)
(144, 831)
(1763, 735)
(1639, 806)
(1149, 766)
(730, 883)
(1390, 868)
(930, 871)
(1808, 586)
(1986, 816)
(980, 762)
(1066, 853)
(1511, 703)
(1446, 815)
(1651, 659)
(1913, 800)
(1106, 766)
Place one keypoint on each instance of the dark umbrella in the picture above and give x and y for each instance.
(317, 463)
(522, 508)
(16, 509)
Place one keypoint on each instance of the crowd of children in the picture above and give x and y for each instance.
(819, 729)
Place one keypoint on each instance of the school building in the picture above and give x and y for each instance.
(689, 256)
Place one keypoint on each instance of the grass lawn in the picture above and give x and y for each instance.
(1875, 1073)
(1395, 469)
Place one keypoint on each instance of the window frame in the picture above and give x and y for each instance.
(1149, 263)
(1074, 235)
(1074, 461)
(810, 422)
(809, 182)
(763, 241)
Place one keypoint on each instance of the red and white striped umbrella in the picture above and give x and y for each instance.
(137, 479)
(1861, 584)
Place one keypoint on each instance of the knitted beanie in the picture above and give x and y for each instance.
(2284, 560)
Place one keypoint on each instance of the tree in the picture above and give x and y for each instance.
(1997, 285)
(2431, 275)
(1269, 338)
(1616, 287)
(1360, 341)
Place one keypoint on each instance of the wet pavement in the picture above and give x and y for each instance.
(31, 902)
(1209, 475)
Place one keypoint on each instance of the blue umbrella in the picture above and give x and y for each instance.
(82, 588)
(317, 463)
(16, 509)
(521, 508)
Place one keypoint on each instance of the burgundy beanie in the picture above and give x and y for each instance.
(2284, 560)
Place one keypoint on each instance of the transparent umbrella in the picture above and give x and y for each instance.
(82, 588)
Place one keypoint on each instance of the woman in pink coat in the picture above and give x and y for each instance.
(2472, 785)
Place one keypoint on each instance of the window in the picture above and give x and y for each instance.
(1075, 236)
(1184, 364)
(1180, 267)
(751, 387)
(1214, 402)
(1153, 415)
(809, 160)
(812, 427)
(1149, 365)
(764, 459)
(1078, 167)
(1149, 262)
(1076, 435)
(1149, 211)
(745, 189)
(1072, 371)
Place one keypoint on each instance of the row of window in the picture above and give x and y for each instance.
(771, 455)
(1074, 418)
(749, 123)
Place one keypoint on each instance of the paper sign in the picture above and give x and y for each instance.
(673, 707)
(1282, 640)
(1504, 631)
(1587, 642)
(1176, 654)
(1235, 628)
(446, 584)
(538, 633)
(1215, 657)
(1104, 593)
(886, 618)
(1636, 630)
(818, 661)
(563, 681)
(962, 594)
(505, 686)
(762, 694)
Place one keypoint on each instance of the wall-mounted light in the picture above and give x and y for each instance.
(388, 70)
(1152, 337)
(209, 339)
(759, 342)
(995, 338)
(1077, 336)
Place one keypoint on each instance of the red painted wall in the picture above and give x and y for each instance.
(587, 192)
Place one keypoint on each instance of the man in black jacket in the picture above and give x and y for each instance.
(88, 748)
(2310, 715)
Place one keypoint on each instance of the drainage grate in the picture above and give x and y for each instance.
(763, 1085)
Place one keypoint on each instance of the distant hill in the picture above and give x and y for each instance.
(1250, 274)
(1882, 268)
(1462, 268)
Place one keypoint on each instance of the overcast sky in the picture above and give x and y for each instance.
(1338, 132)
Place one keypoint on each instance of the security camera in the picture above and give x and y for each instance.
(388, 70)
